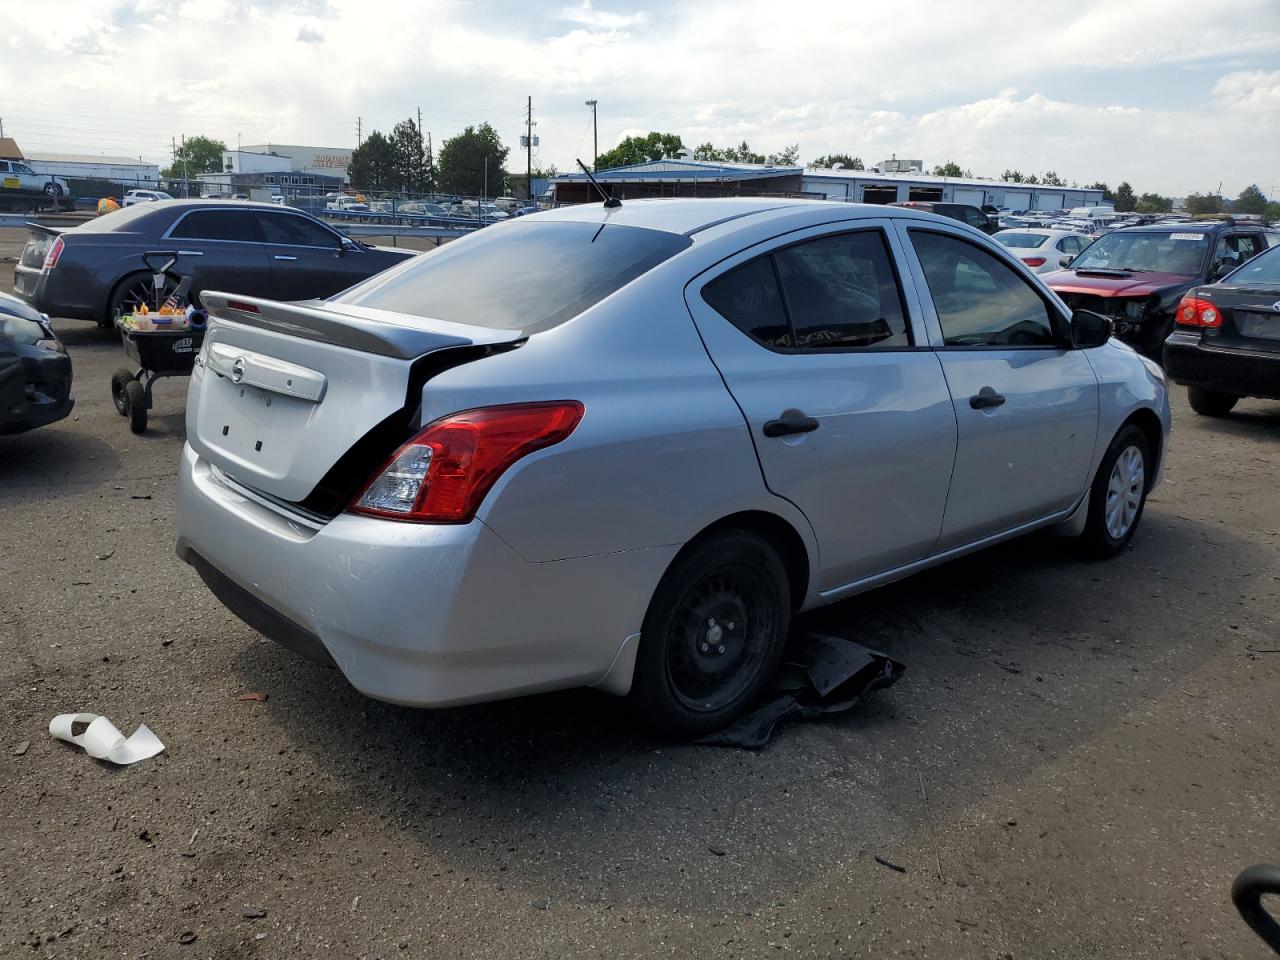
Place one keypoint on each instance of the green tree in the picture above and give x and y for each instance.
(742, 153)
(1199, 204)
(1032, 178)
(1126, 202)
(412, 169)
(1012, 176)
(1251, 200)
(950, 169)
(827, 161)
(1153, 203)
(652, 146)
(472, 162)
(1052, 179)
(195, 156)
(786, 157)
(373, 164)
(1272, 212)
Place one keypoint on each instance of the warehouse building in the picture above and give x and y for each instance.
(127, 171)
(278, 158)
(682, 177)
(864, 186)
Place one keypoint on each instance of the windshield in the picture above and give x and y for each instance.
(1022, 240)
(1180, 252)
(523, 276)
(1264, 268)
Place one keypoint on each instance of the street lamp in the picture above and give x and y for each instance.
(595, 142)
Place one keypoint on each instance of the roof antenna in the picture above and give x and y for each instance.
(609, 202)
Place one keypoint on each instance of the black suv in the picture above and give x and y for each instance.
(956, 211)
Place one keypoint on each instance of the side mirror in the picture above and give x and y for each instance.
(345, 246)
(1066, 261)
(1089, 329)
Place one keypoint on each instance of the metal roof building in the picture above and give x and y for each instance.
(129, 171)
(865, 186)
(680, 177)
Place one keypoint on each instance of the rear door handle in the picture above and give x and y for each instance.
(280, 256)
(984, 398)
(791, 421)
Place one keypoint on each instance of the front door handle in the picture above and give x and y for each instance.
(984, 398)
(791, 421)
(280, 256)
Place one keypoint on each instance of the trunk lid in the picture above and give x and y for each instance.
(285, 395)
(39, 239)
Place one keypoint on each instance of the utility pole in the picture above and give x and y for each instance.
(528, 156)
(431, 165)
(359, 130)
(595, 141)
(1, 126)
(422, 168)
(185, 179)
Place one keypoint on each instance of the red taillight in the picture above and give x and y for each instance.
(442, 474)
(1194, 312)
(1033, 261)
(55, 251)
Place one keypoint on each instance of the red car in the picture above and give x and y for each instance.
(1137, 275)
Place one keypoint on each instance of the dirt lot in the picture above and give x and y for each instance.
(1077, 762)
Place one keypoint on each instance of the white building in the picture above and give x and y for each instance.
(865, 186)
(123, 170)
(288, 158)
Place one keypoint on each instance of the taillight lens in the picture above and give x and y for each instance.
(1195, 312)
(443, 474)
(55, 251)
(1033, 261)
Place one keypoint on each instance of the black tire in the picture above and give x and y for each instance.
(1211, 403)
(1104, 537)
(713, 636)
(52, 190)
(135, 397)
(132, 291)
(119, 380)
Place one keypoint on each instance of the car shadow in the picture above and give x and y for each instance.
(35, 465)
(1014, 656)
(80, 333)
(1255, 419)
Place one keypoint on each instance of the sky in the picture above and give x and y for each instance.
(1173, 96)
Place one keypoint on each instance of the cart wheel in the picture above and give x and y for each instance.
(135, 401)
(119, 380)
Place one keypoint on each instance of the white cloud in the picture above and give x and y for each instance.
(1087, 95)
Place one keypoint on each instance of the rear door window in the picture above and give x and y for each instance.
(980, 301)
(748, 297)
(238, 225)
(841, 291)
(528, 275)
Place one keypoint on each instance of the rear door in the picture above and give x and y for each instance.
(221, 249)
(306, 257)
(848, 410)
(1026, 406)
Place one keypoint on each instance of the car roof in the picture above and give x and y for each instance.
(1202, 225)
(689, 215)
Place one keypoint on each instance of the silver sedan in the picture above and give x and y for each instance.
(622, 447)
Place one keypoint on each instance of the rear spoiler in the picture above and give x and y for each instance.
(380, 332)
(45, 228)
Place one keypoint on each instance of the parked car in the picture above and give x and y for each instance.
(1138, 275)
(1041, 249)
(16, 175)
(95, 271)
(345, 204)
(144, 196)
(956, 211)
(35, 371)
(690, 420)
(1226, 344)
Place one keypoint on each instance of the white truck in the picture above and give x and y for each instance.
(16, 175)
(346, 204)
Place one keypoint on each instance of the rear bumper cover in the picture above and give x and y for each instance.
(417, 614)
(1240, 372)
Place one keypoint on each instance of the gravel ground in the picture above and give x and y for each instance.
(1077, 762)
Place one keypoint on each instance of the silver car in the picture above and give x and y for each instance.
(622, 447)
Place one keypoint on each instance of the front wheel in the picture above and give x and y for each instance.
(713, 636)
(1211, 403)
(52, 190)
(1119, 494)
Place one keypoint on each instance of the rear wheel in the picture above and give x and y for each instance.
(52, 190)
(1119, 494)
(1211, 403)
(119, 380)
(135, 399)
(133, 291)
(713, 635)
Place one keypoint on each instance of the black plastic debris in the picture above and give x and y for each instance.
(819, 675)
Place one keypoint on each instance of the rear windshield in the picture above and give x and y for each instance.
(1264, 268)
(1021, 240)
(123, 219)
(1178, 251)
(529, 276)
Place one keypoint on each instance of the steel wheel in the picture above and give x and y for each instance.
(1125, 488)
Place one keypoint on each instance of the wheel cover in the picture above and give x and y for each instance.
(719, 639)
(1125, 488)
